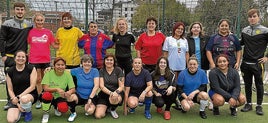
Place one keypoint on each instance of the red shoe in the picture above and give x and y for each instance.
(159, 110)
(167, 115)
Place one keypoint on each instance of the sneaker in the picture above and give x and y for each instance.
(202, 114)
(28, 116)
(57, 113)
(177, 105)
(167, 115)
(259, 110)
(72, 117)
(159, 110)
(38, 104)
(246, 108)
(147, 115)
(131, 110)
(114, 114)
(45, 118)
(141, 104)
(216, 111)
(86, 114)
(7, 106)
(233, 112)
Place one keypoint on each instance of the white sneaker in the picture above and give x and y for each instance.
(114, 114)
(72, 117)
(86, 114)
(57, 113)
(45, 118)
(38, 104)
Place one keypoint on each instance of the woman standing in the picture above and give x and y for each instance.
(112, 86)
(87, 87)
(164, 86)
(67, 38)
(55, 93)
(21, 84)
(40, 39)
(138, 88)
(197, 42)
(123, 42)
(149, 45)
(175, 49)
(192, 87)
(224, 43)
(225, 86)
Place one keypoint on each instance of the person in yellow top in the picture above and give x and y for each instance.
(67, 37)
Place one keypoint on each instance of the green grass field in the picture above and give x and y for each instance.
(137, 117)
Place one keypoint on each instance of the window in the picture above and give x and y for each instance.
(125, 15)
(125, 9)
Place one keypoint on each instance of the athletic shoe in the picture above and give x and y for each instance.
(246, 108)
(28, 116)
(147, 114)
(131, 110)
(86, 114)
(167, 115)
(72, 117)
(141, 104)
(216, 111)
(202, 114)
(45, 118)
(22, 114)
(38, 104)
(114, 114)
(177, 105)
(57, 113)
(159, 110)
(259, 110)
(233, 112)
(7, 106)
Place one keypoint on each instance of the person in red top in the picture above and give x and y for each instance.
(149, 45)
(40, 39)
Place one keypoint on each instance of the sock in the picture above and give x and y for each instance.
(148, 102)
(203, 104)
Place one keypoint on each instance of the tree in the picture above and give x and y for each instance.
(210, 12)
(174, 11)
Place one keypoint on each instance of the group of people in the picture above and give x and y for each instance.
(165, 70)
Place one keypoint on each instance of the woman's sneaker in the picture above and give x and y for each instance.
(57, 113)
(38, 104)
(72, 117)
(114, 114)
(45, 118)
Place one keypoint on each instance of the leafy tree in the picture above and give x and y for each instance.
(174, 11)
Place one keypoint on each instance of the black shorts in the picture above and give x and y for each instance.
(82, 101)
(194, 99)
(103, 98)
(40, 65)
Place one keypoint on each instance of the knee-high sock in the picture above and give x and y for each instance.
(148, 102)
(203, 104)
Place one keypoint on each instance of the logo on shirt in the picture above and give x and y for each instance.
(24, 25)
(42, 39)
(258, 31)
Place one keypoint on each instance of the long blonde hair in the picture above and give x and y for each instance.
(116, 30)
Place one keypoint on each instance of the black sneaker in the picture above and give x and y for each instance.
(216, 111)
(246, 108)
(233, 112)
(259, 110)
(177, 105)
(202, 114)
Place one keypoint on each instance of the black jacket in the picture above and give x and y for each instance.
(203, 42)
